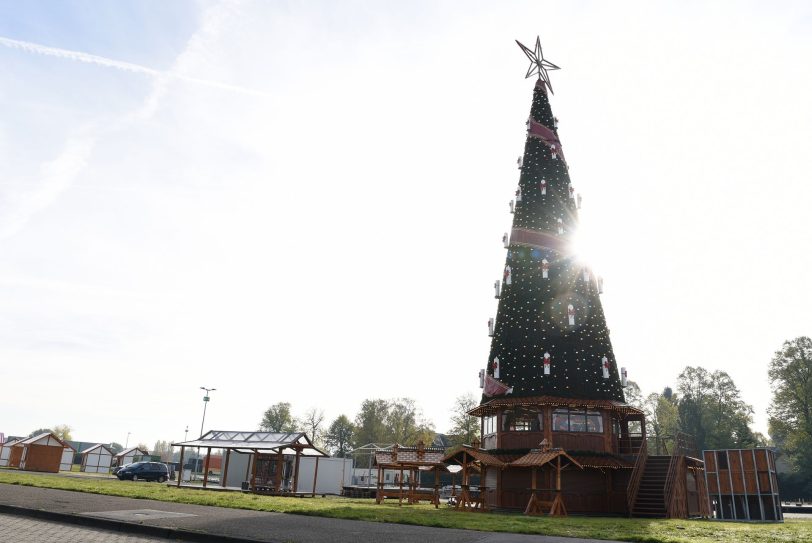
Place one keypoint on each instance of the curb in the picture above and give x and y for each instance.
(123, 526)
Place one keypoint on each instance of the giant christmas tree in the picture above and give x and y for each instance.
(550, 336)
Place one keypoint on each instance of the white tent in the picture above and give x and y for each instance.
(97, 459)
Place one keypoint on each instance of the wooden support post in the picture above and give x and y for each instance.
(180, 473)
(253, 483)
(316, 476)
(400, 500)
(280, 462)
(206, 469)
(224, 472)
(296, 469)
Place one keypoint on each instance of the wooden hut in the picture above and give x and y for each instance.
(127, 456)
(409, 462)
(743, 484)
(97, 459)
(6, 450)
(44, 452)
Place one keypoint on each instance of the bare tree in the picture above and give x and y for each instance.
(312, 421)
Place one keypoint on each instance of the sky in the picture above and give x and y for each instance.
(304, 201)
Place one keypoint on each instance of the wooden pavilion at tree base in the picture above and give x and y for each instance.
(409, 462)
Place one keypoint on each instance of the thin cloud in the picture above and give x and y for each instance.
(79, 56)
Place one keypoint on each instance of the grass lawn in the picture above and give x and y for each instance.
(623, 529)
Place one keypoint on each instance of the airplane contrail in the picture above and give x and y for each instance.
(79, 56)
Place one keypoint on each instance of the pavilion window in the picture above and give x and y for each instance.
(489, 425)
(577, 420)
(635, 428)
(521, 419)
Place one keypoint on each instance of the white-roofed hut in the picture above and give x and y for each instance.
(262, 462)
(44, 452)
(127, 456)
(6, 450)
(97, 459)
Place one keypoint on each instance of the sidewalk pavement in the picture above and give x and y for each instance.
(205, 523)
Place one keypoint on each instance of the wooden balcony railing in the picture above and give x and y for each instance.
(637, 475)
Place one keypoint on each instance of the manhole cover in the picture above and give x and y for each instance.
(137, 515)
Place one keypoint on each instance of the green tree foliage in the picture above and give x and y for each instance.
(278, 418)
(39, 431)
(391, 421)
(662, 420)
(634, 396)
(711, 409)
(464, 427)
(370, 423)
(63, 432)
(790, 410)
(339, 436)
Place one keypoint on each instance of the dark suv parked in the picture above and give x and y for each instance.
(146, 471)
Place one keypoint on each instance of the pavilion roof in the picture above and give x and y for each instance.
(602, 461)
(284, 442)
(36, 438)
(478, 455)
(493, 405)
(539, 457)
(399, 455)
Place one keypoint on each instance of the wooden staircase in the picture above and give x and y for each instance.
(650, 501)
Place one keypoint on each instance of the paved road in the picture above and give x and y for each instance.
(206, 523)
(28, 530)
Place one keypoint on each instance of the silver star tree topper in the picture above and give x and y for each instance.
(538, 64)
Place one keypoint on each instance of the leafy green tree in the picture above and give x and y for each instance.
(634, 396)
(712, 410)
(339, 436)
(278, 418)
(63, 432)
(370, 423)
(662, 420)
(790, 410)
(406, 423)
(464, 427)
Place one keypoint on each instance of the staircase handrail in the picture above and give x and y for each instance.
(681, 448)
(636, 477)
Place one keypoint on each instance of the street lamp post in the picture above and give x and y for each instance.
(127, 441)
(202, 422)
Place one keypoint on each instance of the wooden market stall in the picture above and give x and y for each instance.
(409, 462)
(43, 452)
(473, 459)
(742, 484)
(273, 461)
(550, 462)
(96, 459)
(127, 456)
(6, 450)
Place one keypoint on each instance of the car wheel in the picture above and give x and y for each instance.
(161, 479)
(135, 477)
